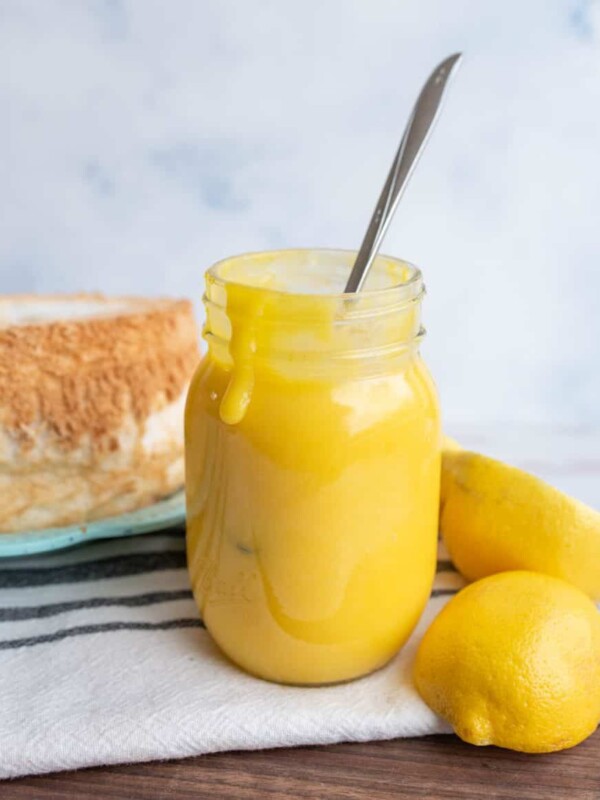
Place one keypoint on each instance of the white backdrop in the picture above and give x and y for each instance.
(141, 140)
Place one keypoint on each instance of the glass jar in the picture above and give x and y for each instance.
(312, 465)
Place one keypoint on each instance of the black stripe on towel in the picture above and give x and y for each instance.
(19, 613)
(107, 627)
(177, 532)
(445, 566)
(115, 567)
(443, 592)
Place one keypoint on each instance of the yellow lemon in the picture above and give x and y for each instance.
(495, 518)
(514, 660)
(448, 443)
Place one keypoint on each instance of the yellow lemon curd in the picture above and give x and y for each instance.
(312, 465)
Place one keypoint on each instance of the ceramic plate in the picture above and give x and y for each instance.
(165, 514)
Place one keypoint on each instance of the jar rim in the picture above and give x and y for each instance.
(398, 287)
(240, 295)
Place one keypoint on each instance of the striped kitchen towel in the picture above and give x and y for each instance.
(104, 660)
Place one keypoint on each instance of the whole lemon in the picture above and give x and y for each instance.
(448, 443)
(514, 660)
(495, 518)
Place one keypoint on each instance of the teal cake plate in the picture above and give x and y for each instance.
(167, 513)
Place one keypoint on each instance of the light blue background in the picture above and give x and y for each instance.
(142, 140)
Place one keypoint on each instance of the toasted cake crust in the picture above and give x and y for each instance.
(91, 390)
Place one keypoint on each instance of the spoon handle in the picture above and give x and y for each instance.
(415, 137)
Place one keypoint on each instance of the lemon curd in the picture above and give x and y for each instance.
(312, 465)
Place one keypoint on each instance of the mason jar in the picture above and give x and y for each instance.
(313, 444)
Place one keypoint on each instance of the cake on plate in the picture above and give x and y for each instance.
(92, 394)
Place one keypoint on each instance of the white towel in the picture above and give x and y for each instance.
(103, 658)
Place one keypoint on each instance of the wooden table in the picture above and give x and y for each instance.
(430, 768)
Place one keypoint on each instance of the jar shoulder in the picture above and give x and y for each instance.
(408, 389)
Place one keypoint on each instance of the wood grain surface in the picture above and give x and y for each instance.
(432, 767)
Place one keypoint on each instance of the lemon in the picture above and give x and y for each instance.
(514, 660)
(495, 518)
(452, 446)
(448, 443)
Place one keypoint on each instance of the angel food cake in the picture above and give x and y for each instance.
(92, 393)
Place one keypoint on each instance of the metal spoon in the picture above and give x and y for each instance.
(413, 141)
